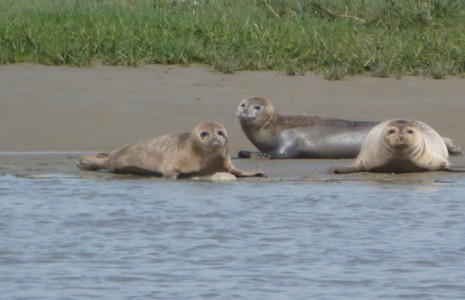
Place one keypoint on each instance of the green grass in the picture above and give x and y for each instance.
(335, 38)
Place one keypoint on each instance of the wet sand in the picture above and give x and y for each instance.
(72, 110)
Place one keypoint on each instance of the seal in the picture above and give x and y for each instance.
(400, 146)
(302, 136)
(202, 152)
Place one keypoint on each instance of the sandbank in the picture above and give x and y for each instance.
(70, 110)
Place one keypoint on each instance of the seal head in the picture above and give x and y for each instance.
(255, 111)
(400, 136)
(210, 137)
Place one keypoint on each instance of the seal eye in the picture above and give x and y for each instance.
(204, 134)
(410, 131)
(242, 104)
(391, 131)
(220, 133)
(257, 107)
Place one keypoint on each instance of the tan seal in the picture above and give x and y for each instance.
(399, 146)
(302, 136)
(202, 152)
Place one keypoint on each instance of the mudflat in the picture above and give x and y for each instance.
(100, 108)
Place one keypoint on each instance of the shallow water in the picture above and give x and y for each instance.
(67, 237)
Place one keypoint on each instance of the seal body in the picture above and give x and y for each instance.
(399, 146)
(280, 136)
(204, 151)
(301, 136)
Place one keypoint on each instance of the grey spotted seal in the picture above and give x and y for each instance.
(400, 146)
(202, 152)
(302, 136)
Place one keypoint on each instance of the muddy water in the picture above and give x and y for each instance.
(67, 234)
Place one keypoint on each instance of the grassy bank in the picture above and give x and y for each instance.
(335, 38)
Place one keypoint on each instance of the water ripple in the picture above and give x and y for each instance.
(74, 238)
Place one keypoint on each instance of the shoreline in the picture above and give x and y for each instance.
(63, 109)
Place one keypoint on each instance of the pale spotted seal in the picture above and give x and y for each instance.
(399, 146)
(301, 136)
(204, 151)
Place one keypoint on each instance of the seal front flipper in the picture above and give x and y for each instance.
(244, 154)
(93, 162)
(229, 167)
(454, 169)
(240, 173)
(252, 154)
(343, 170)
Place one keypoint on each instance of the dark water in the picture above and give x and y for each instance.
(64, 237)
